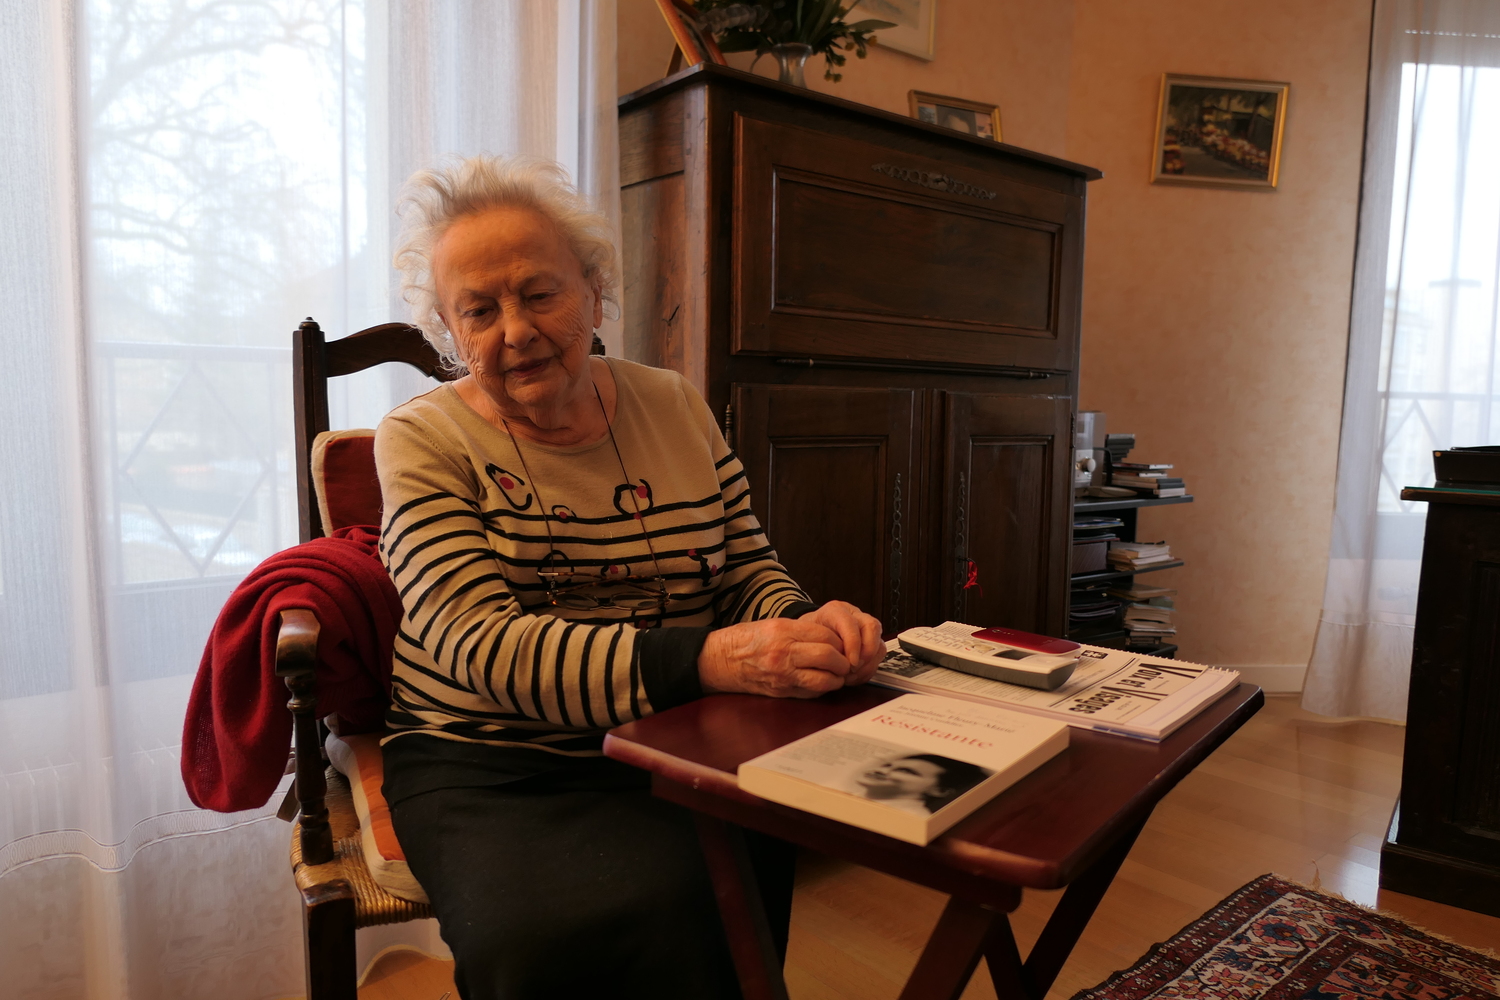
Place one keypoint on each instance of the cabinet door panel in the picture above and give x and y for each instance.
(831, 478)
(843, 247)
(945, 274)
(1006, 502)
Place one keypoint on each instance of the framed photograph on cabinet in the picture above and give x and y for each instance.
(969, 117)
(695, 43)
(1221, 133)
(915, 32)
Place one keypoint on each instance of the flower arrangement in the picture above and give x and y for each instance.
(818, 24)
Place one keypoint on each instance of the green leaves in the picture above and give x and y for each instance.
(817, 23)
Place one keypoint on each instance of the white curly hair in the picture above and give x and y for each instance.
(433, 199)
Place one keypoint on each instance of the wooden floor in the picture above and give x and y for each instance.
(1291, 793)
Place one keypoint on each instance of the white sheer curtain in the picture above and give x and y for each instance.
(182, 181)
(1423, 360)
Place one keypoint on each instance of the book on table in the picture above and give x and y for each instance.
(910, 768)
(1111, 690)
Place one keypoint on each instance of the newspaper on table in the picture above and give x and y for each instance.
(1111, 690)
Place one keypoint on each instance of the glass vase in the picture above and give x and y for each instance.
(791, 57)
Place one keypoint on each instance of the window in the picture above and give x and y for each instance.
(1438, 379)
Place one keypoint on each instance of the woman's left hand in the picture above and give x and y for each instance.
(859, 633)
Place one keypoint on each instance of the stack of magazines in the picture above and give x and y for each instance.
(1112, 690)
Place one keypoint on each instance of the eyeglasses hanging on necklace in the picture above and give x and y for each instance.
(565, 590)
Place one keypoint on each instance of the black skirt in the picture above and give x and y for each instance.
(560, 881)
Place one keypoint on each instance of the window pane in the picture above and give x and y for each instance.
(1440, 383)
(225, 152)
(226, 165)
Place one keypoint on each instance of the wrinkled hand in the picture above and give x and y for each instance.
(793, 658)
(859, 638)
(777, 657)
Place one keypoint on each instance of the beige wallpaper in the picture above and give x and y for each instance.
(1214, 321)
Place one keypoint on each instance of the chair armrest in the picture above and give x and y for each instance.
(297, 663)
(297, 643)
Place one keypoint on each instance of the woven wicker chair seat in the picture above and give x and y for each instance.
(372, 904)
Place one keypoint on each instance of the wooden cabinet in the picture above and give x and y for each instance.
(1445, 842)
(885, 316)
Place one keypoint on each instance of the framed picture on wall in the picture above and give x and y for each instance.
(969, 117)
(915, 32)
(1221, 133)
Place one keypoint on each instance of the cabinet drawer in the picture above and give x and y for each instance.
(847, 248)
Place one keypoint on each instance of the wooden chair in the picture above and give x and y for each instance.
(338, 892)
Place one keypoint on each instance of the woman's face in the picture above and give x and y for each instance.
(904, 777)
(521, 312)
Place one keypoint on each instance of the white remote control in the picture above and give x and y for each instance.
(977, 651)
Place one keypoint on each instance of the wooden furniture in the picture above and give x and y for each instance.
(1112, 633)
(1444, 842)
(884, 315)
(1071, 822)
(338, 894)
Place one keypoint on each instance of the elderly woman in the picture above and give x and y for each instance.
(574, 548)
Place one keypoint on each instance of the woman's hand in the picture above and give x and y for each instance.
(793, 658)
(859, 637)
(777, 657)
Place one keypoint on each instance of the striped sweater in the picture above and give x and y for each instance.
(483, 655)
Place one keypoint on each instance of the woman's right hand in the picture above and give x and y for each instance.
(776, 657)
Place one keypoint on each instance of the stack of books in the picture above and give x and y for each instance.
(1139, 555)
(1148, 613)
(1147, 479)
(1137, 593)
(1151, 622)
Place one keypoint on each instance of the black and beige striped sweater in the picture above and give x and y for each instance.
(482, 654)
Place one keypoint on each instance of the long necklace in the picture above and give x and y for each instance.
(569, 596)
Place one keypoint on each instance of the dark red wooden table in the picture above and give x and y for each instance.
(1069, 823)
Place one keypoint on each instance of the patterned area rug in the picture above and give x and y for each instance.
(1276, 940)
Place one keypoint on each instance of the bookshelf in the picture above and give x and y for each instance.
(1112, 633)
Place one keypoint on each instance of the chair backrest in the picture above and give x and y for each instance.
(314, 361)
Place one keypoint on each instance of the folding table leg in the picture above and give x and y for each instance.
(741, 908)
(1067, 923)
(1007, 974)
(948, 961)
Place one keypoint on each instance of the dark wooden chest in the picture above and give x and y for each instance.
(885, 316)
(1445, 841)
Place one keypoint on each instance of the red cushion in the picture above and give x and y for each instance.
(343, 468)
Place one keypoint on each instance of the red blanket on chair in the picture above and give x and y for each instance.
(238, 729)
